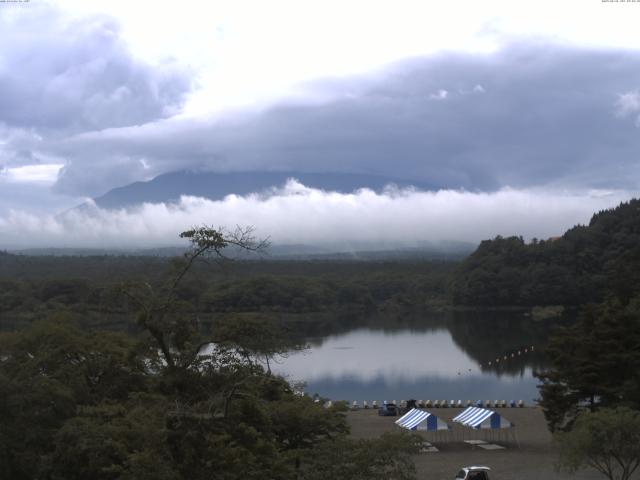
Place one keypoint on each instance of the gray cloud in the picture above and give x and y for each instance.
(79, 75)
(61, 77)
(527, 115)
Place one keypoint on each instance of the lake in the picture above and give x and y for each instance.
(461, 357)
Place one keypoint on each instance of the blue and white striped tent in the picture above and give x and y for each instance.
(416, 419)
(477, 418)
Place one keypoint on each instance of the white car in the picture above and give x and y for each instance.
(475, 472)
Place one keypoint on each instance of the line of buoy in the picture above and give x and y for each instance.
(354, 405)
(513, 355)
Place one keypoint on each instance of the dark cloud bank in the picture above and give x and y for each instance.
(62, 77)
(517, 140)
(528, 115)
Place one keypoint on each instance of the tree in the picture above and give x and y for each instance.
(47, 373)
(228, 416)
(175, 401)
(607, 440)
(377, 459)
(299, 424)
(176, 335)
(124, 440)
(256, 339)
(594, 364)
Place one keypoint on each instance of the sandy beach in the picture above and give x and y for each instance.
(528, 456)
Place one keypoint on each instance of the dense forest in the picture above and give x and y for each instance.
(175, 400)
(581, 266)
(295, 292)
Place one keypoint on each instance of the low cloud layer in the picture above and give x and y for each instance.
(296, 214)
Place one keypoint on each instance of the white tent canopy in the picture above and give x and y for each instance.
(416, 419)
(481, 418)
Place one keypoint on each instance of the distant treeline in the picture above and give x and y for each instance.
(582, 266)
(31, 288)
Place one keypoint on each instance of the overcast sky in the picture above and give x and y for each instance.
(526, 114)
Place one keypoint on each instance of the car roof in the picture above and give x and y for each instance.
(476, 467)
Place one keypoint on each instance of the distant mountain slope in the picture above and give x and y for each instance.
(582, 266)
(446, 251)
(170, 186)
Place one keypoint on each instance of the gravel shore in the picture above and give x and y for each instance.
(528, 456)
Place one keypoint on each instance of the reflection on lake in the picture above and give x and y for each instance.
(428, 360)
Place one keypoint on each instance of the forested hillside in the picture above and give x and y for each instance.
(294, 292)
(581, 266)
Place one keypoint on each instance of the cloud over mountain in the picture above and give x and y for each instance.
(298, 214)
(516, 138)
(528, 115)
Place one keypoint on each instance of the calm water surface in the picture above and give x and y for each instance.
(444, 362)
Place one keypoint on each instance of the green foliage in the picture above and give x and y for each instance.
(46, 373)
(254, 338)
(90, 289)
(287, 294)
(78, 404)
(377, 459)
(582, 266)
(114, 441)
(177, 401)
(205, 237)
(607, 440)
(299, 423)
(595, 363)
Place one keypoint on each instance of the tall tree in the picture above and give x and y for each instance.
(177, 335)
(607, 440)
(376, 459)
(595, 363)
(47, 373)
